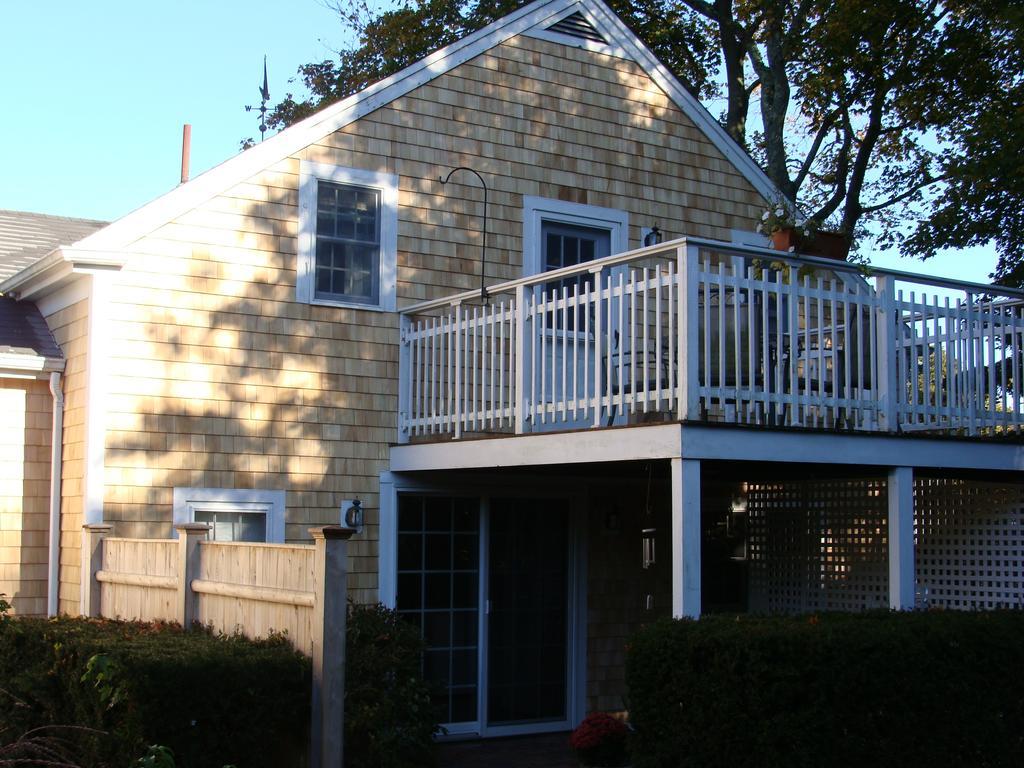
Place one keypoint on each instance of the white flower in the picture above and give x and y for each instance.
(780, 212)
(765, 215)
(807, 233)
(792, 249)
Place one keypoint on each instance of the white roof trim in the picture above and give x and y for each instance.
(28, 366)
(57, 268)
(533, 17)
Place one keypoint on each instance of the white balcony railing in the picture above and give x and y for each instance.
(704, 330)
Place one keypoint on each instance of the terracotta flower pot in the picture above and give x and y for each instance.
(786, 240)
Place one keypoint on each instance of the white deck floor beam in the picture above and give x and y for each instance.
(686, 543)
(901, 538)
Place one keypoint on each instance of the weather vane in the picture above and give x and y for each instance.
(264, 98)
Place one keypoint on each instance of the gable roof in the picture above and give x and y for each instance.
(536, 18)
(27, 237)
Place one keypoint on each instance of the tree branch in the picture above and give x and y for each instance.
(826, 126)
(905, 194)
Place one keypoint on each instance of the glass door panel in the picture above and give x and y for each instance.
(527, 640)
(438, 591)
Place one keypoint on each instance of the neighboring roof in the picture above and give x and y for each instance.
(23, 331)
(27, 237)
(541, 18)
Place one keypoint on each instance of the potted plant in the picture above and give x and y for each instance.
(792, 234)
(601, 740)
(787, 232)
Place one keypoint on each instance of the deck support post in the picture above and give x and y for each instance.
(901, 538)
(686, 539)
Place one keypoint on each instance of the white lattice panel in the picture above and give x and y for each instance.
(818, 545)
(969, 546)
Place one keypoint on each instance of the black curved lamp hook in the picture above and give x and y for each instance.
(483, 243)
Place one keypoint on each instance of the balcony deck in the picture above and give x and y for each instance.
(699, 331)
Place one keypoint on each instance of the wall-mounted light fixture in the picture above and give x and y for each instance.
(652, 236)
(647, 538)
(352, 515)
(483, 240)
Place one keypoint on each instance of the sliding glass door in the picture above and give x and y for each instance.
(487, 582)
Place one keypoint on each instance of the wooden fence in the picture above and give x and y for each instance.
(252, 589)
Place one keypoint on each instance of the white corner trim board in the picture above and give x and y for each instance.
(96, 389)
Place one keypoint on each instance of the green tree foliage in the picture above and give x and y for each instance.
(903, 120)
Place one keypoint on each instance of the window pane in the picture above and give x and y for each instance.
(347, 242)
(233, 526)
(410, 556)
(439, 552)
(251, 528)
(431, 528)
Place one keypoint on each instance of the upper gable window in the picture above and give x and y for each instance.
(348, 242)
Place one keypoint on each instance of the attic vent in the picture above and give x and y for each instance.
(577, 26)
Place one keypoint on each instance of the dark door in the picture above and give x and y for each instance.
(528, 596)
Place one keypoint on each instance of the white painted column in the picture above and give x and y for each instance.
(686, 539)
(901, 538)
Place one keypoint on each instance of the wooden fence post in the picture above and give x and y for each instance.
(189, 536)
(330, 585)
(93, 535)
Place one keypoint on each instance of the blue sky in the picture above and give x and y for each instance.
(93, 96)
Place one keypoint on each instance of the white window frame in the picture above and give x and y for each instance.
(310, 174)
(187, 501)
(537, 210)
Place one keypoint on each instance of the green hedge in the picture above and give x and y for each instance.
(876, 689)
(214, 700)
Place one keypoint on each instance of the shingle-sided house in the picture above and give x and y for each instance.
(31, 365)
(619, 427)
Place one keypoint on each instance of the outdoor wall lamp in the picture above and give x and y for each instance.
(647, 538)
(483, 240)
(653, 237)
(352, 515)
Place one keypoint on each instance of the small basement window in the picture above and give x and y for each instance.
(233, 514)
(348, 221)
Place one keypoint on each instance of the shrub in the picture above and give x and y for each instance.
(879, 689)
(212, 700)
(600, 740)
(389, 718)
(217, 700)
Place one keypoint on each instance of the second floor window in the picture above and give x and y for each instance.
(348, 237)
(348, 227)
